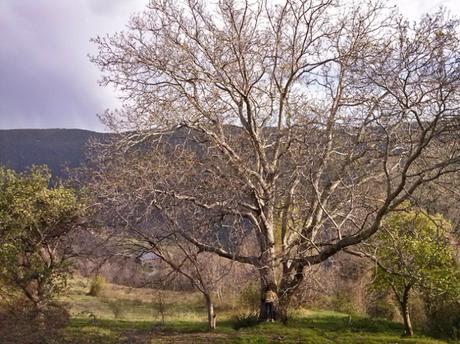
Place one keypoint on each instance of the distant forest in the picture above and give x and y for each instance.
(57, 148)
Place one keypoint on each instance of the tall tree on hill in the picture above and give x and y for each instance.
(277, 135)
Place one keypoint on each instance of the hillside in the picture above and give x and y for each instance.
(57, 148)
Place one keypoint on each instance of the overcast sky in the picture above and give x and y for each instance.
(46, 80)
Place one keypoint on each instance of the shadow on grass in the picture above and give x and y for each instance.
(122, 331)
(344, 322)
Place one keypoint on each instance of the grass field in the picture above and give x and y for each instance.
(315, 327)
(127, 315)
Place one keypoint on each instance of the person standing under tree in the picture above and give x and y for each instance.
(270, 298)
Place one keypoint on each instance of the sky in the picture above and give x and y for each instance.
(46, 79)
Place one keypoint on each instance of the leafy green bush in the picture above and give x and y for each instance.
(98, 284)
(415, 256)
(37, 220)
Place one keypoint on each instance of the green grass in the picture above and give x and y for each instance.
(132, 304)
(312, 327)
(126, 315)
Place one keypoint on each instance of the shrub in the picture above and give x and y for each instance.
(382, 306)
(245, 320)
(250, 297)
(443, 319)
(98, 284)
(116, 308)
(341, 302)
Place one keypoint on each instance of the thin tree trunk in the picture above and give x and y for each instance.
(408, 331)
(211, 315)
(161, 307)
(40, 316)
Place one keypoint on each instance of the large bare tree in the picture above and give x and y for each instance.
(276, 135)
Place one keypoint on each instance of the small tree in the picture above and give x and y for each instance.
(200, 269)
(35, 221)
(414, 255)
(203, 270)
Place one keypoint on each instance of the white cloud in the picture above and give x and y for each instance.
(414, 9)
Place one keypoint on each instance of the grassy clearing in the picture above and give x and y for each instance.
(315, 327)
(132, 304)
(127, 315)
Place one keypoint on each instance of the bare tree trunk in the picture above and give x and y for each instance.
(40, 316)
(282, 307)
(288, 285)
(211, 315)
(408, 331)
(39, 305)
(161, 307)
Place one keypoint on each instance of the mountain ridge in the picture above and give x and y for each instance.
(57, 148)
